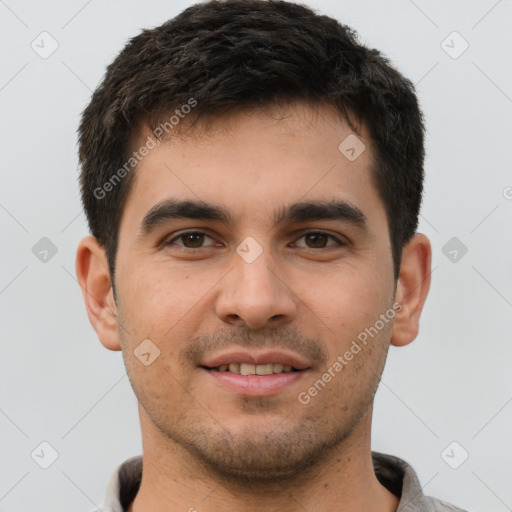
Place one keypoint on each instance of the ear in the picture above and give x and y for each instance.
(412, 289)
(94, 278)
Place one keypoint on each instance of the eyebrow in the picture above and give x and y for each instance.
(171, 209)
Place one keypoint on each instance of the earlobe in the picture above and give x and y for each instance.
(412, 289)
(94, 278)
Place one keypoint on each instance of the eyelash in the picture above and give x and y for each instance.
(171, 241)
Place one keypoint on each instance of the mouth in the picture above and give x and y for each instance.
(256, 374)
(254, 369)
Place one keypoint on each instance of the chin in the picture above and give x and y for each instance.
(253, 458)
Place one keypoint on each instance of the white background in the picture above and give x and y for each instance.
(57, 382)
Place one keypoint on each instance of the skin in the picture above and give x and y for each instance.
(211, 449)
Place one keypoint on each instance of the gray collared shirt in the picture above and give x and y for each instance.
(394, 473)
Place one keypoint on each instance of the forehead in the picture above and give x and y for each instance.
(256, 162)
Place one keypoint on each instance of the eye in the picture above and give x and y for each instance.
(191, 240)
(317, 240)
(198, 240)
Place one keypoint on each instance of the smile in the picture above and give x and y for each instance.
(255, 369)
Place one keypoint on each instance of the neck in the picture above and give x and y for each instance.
(344, 480)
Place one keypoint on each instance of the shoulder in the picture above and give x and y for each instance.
(400, 478)
(435, 505)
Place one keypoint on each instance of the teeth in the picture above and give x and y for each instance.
(264, 369)
(247, 369)
(278, 368)
(255, 369)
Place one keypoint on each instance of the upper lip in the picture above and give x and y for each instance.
(266, 357)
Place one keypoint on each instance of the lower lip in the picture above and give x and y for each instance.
(256, 385)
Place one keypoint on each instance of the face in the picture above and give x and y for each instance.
(254, 248)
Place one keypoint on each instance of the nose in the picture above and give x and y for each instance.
(255, 295)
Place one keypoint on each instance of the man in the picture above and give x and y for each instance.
(252, 177)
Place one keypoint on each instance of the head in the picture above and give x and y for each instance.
(226, 213)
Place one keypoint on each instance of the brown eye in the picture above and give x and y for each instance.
(192, 240)
(318, 240)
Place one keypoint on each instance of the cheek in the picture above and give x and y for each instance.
(345, 300)
(157, 298)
